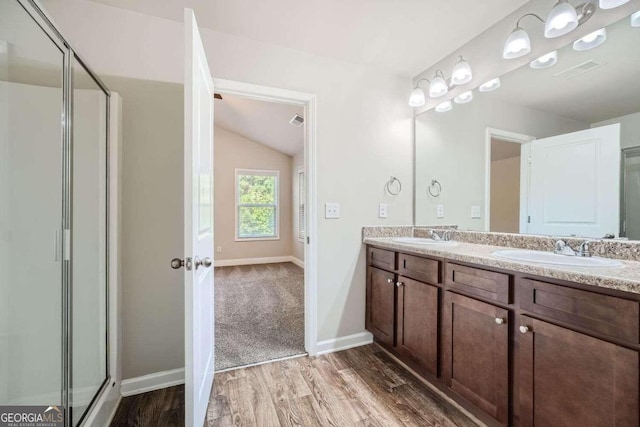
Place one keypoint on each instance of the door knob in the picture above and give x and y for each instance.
(398, 284)
(205, 262)
(389, 280)
(177, 263)
(524, 329)
(499, 320)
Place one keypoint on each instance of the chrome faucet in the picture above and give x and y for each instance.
(434, 235)
(563, 248)
(446, 236)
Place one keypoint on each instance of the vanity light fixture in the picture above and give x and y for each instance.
(591, 40)
(444, 107)
(518, 44)
(464, 97)
(461, 72)
(545, 61)
(635, 19)
(438, 86)
(610, 4)
(492, 84)
(562, 19)
(417, 98)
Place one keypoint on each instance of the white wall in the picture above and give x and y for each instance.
(629, 129)
(297, 246)
(364, 135)
(450, 147)
(232, 152)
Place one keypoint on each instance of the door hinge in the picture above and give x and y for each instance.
(529, 219)
(308, 240)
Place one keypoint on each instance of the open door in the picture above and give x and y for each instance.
(198, 225)
(575, 183)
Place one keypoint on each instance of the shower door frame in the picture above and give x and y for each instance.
(37, 13)
(625, 153)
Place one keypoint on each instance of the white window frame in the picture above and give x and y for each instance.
(302, 205)
(258, 172)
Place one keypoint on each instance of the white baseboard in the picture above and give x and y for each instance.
(297, 261)
(151, 382)
(344, 343)
(251, 261)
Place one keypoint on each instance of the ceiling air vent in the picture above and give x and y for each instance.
(579, 69)
(297, 120)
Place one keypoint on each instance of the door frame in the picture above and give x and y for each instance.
(624, 154)
(309, 102)
(517, 138)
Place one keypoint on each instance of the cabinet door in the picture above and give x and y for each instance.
(417, 323)
(476, 353)
(380, 304)
(571, 379)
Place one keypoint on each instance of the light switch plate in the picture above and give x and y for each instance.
(440, 211)
(382, 210)
(475, 212)
(332, 210)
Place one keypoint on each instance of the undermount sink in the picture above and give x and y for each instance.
(541, 257)
(425, 241)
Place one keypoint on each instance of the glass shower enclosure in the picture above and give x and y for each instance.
(54, 115)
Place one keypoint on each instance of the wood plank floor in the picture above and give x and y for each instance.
(357, 387)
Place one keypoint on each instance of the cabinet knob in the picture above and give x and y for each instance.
(524, 329)
(398, 284)
(499, 320)
(389, 280)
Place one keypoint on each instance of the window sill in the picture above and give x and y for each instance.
(255, 239)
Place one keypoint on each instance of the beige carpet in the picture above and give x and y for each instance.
(259, 313)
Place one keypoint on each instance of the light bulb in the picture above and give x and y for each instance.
(464, 97)
(438, 86)
(444, 107)
(610, 4)
(545, 61)
(490, 85)
(461, 73)
(591, 40)
(417, 98)
(562, 19)
(518, 44)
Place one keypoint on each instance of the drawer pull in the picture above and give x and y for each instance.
(398, 284)
(524, 329)
(499, 320)
(389, 280)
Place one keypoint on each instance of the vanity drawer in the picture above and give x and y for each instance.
(422, 269)
(481, 283)
(604, 314)
(382, 258)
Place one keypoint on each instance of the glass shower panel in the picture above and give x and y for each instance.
(31, 188)
(89, 237)
(631, 207)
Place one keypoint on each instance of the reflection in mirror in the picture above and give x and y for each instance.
(551, 151)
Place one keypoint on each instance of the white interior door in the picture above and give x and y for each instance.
(575, 183)
(198, 225)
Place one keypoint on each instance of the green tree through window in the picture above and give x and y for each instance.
(257, 204)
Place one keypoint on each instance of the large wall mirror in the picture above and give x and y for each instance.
(553, 150)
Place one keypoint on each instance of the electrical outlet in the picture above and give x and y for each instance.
(332, 210)
(475, 212)
(219, 249)
(440, 211)
(382, 210)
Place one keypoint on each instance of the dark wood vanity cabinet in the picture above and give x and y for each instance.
(514, 349)
(381, 304)
(417, 324)
(475, 353)
(571, 379)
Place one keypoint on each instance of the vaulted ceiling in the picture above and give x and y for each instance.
(403, 37)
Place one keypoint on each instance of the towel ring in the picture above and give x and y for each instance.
(434, 184)
(394, 180)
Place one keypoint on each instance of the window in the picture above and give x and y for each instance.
(301, 202)
(257, 213)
